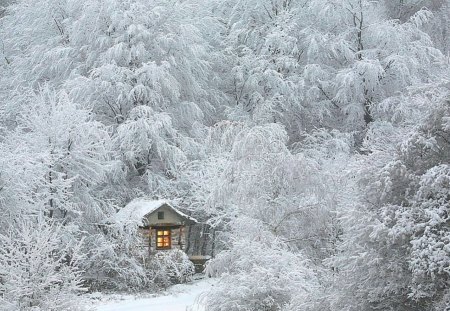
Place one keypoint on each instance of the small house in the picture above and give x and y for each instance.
(162, 226)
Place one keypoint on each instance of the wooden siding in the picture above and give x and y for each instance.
(178, 237)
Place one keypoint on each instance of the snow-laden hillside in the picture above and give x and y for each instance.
(309, 138)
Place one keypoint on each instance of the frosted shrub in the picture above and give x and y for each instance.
(171, 267)
(114, 264)
(258, 272)
(38, 271)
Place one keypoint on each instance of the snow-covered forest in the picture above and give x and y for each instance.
(311, 137)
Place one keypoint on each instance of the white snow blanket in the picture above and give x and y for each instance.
(184, 297)
(136, 210)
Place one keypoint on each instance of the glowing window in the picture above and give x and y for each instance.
(163, 239)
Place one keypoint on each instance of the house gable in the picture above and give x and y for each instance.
(170, 217)
(144, 212)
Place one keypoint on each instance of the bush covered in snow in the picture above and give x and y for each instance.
(115, 262)
(258, 272)
(37, 271)
(170, 267)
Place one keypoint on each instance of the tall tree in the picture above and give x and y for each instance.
(394, 246)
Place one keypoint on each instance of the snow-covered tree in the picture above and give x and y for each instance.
(64, 153)
(322, 63)
(439, 27)
(313, 133)
(132, 63)
(394, 248)
(250, 171)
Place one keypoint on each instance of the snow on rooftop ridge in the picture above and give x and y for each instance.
(135, 211)
(184, 215)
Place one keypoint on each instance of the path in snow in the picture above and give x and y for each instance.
(179, 298)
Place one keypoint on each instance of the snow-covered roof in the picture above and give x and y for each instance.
(136, 210)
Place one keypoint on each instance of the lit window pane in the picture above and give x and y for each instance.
(163, 238)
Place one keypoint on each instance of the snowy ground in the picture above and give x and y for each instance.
(178, 298)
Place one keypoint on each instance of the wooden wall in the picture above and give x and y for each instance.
(178, 236)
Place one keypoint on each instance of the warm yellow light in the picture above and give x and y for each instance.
(163, 238)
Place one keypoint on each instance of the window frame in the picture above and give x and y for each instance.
(160, 215)
(166, 234)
